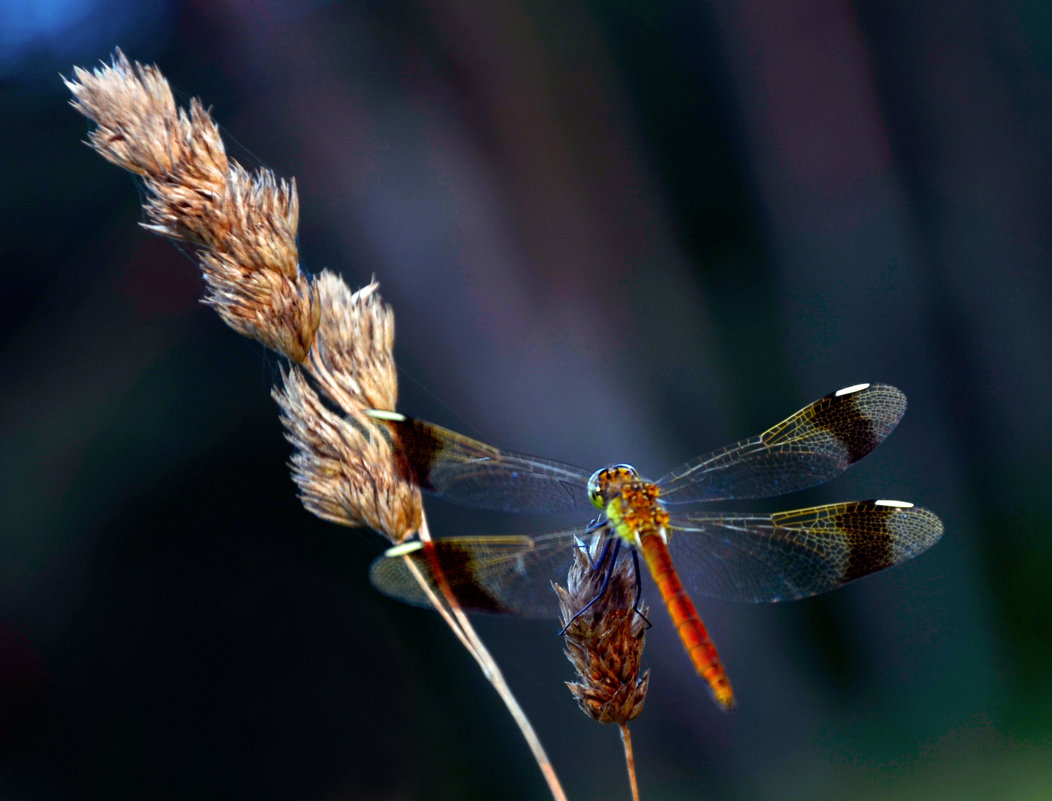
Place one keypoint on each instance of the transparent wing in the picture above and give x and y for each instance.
(469, 472)
(735, 557)
(808, 448)
(787, 555)
(506, 575)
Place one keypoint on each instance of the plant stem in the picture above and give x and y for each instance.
(465, 632)
(630, 760)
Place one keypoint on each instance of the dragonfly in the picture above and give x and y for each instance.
(733, 556)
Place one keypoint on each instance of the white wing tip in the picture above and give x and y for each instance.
(852, 389)
(383, 414)
(404, 549)
(896, 504)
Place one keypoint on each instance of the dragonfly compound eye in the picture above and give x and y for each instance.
(605, 484)
(595, 488)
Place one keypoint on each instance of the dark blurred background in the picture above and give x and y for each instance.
(610, 231)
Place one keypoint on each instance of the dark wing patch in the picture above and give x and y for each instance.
(505, 575)
(796, 554)
(472, 473)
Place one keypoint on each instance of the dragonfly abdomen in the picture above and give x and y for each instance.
(685, 617)
(638, 517)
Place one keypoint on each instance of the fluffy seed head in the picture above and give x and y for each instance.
(244, 224)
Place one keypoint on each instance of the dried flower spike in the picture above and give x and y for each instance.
(343, 463)
(604, 643)
(244, 223)
(353, 357)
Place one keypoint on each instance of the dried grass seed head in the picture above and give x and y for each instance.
(139, 126)
(344, 463)
(244, 223)
(605, 642)
(353, 357)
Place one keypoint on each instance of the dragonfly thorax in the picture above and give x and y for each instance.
(607, 483)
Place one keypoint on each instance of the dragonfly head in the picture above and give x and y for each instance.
(605, 484)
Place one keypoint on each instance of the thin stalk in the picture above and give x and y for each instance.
(630, 761)
(450, 610)
(458, 621)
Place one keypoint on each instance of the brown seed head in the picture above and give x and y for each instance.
(243, 223)
(605, 643)
(343, 462)
(353, 356)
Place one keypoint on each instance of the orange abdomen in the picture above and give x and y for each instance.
(681, 609)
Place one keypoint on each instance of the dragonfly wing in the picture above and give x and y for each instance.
(806, 449)
(796, 554)
(469, 472)
(505, 575)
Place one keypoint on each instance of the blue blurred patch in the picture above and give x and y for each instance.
(64, 32)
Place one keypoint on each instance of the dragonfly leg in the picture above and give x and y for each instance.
(596, 564)
(597, 523)
(639, 588)
(611, 548)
